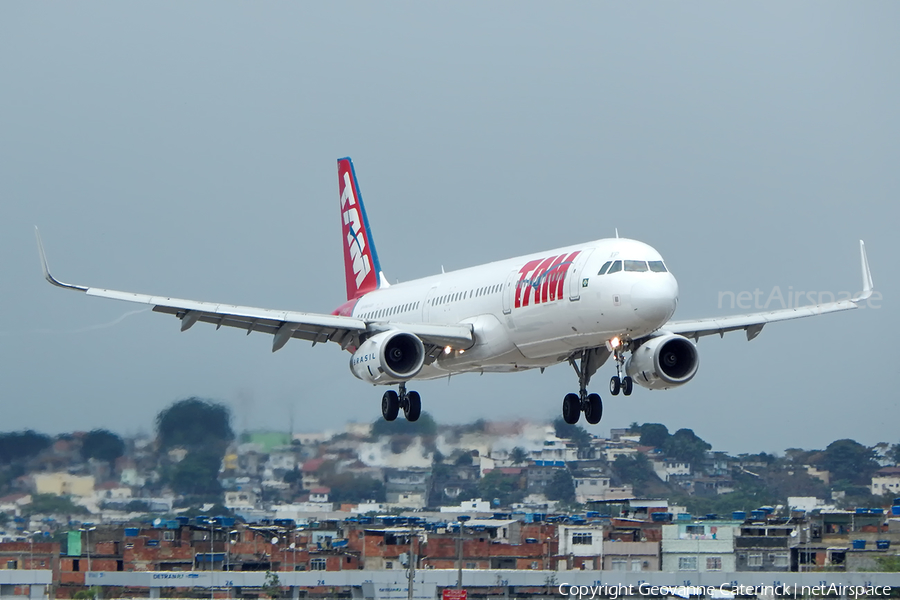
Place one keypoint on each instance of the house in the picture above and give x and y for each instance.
(631, 556)
(698, 546)
(886, 481)
(64, 484)
(766, 546)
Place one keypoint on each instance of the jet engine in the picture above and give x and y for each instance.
(663, 362)
(388, 357)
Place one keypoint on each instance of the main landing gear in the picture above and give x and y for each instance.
(590, 404)
(392, 402)
(617, 382)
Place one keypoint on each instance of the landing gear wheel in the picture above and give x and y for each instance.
(615, 384)
(593, 409)
(627, 386)
(412, 408)
(571, 408)
(390, 405)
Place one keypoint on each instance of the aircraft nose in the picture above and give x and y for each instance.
(654, 298)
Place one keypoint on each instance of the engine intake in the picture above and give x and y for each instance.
(663, 362)
(388, 357)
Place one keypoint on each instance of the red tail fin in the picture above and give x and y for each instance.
(361, 267)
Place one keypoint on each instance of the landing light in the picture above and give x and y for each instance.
(614, 343)
(447, 349)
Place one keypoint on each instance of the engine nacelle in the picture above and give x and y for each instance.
(389, 357)
(663, 362)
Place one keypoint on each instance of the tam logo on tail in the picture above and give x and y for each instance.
(360, 259)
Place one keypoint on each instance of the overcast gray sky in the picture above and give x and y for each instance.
(189, 149)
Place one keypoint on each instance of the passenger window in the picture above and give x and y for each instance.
(657, 266)
(615, 268)
(638, 266)
(604, 267)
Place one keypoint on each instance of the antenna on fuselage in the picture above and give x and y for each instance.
(617, 233)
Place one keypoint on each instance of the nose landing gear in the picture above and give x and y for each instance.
(392, 402)
(617, 382)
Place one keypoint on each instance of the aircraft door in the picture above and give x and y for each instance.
(509, 291)
(427, 310)
(577, 274)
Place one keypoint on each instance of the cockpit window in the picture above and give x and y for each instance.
(604, 267)
(615, 268)
(657, 266)
(635, 265)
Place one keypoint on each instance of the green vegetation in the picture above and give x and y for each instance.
(503, 487)
(194, 423)
(49, 504)
(425, 426)
(561, 487)
(574, 433)
(349, 487)
(21, 445)
(102, 445)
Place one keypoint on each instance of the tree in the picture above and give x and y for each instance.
(518, 456)
(425, 426)
(575, 433)
(895, 454)
(198, 474)
(51, 504)
(194, 423)
(102, 445)
(684, 445)
(850, 461)
(22, 445)
(272, 585)
(561, 487)
(654, 434)
(349, 487)
(507, 489)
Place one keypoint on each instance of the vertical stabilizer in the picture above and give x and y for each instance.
(361, 267)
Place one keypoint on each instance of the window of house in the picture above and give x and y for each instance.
(388, 565)
(582, 538)
(754, 560)
(11, 564)
(471, 565)
(619, 564)
(319, 564)
(637, 565)
(687, 563)
(714, 563)
(695, 529)
(780, 560)
(168, 536)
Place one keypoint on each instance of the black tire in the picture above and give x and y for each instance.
(413, 406)
(593, 409)
(571, 408)
(390, 405)
(627, 386)
(615, 384)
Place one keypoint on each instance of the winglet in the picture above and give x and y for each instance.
(46, 269)
(868, 286)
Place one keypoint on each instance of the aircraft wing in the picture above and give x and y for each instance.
(753, 323)
(282, 324)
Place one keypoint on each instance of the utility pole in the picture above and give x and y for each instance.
(413, 538)
(459, 550)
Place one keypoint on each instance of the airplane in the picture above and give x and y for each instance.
(581, 304)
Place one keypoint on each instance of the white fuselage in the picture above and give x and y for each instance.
(534, 310)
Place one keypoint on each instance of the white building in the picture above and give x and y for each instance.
(699, 546)
(886, 481)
